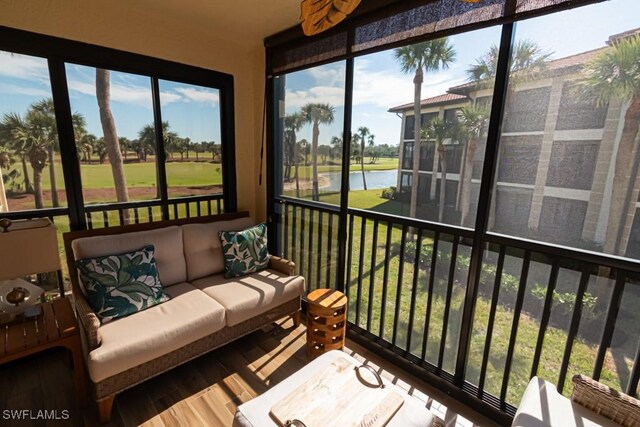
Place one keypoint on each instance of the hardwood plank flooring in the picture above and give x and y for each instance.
(203, 392)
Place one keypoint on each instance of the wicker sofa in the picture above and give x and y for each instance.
(591, 404)
(205, 311)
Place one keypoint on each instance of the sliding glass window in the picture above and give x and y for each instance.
(191, 134)
(29, 149)
(309, 143)
(113, 131)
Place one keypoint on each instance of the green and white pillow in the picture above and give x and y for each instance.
(120, 285)
(244, 251)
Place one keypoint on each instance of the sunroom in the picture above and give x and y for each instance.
(220, 213)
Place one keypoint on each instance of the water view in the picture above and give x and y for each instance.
(375, 180)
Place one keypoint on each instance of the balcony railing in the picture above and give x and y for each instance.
(105, 215)
(537, 309)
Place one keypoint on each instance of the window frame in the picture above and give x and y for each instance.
(58, 52)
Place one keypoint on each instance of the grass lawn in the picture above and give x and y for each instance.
(143, 174)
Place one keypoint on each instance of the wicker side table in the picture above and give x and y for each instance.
(326, 321)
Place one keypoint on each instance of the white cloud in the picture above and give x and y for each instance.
(127, 94)
(167, 98)
(207, 96)
(328, 75)
(318, 94)
(12, 89)
(24, 67)
(374, 88)
(385, 89)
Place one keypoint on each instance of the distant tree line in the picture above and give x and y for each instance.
(29, 143)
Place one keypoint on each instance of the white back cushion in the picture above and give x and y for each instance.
(202, 247)
(167, 242)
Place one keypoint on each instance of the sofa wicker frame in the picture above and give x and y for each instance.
(105, 391)
(603, 400)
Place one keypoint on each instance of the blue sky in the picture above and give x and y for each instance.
(192, 111)
(379, 84)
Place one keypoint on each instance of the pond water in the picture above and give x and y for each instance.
(375, 180)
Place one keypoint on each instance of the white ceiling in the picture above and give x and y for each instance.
(243, 21)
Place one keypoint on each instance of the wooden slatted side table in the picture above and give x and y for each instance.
(55, 327)
(326, 321)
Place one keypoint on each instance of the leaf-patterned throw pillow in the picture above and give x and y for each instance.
(120, 285)
(244, 251)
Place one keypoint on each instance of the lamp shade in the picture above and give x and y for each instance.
(28, 247)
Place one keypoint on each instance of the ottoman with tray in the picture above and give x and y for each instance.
(335, 390)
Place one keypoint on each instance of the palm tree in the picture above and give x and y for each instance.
(87, 145)
(34, 138)
(336, 143)
(299, 147)
(292, 124)
(420, 58)
(38, 140)
(197, 148)
(316, 114)
(112, 144)
(5, 162)
(361, 136)
(440, 130)
(100, 150)
(615, 74)
(47, 117)
(528, 62)
(472, 127)
(11, 122)
(147, 138)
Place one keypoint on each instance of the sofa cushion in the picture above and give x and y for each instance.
(543, 406)
(130, 341)
(248, 296)
(202, 247)
(167, 242)
(120, 285)
(245, 251)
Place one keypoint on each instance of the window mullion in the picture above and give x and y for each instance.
(161, 168)
(67, 144)
(484, 201)
(344, 187)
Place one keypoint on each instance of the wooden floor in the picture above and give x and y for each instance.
(203, 392)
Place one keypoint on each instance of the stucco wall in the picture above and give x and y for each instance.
(136, 27)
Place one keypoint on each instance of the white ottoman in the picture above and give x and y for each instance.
(255, 413)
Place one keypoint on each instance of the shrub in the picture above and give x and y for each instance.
(389, 193)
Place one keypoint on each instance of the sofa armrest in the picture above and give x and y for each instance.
(282, 265)
(610, 403)
(89, 320)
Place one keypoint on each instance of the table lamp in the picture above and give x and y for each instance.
(26, 247)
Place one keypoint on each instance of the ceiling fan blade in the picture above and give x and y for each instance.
(320, 15)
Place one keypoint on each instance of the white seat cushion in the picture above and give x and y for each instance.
(255, 413)
(144, 336)
(543, 406)
(167, 243)
(248, 296)
(202, 247)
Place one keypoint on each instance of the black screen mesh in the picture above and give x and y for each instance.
(405, 21)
